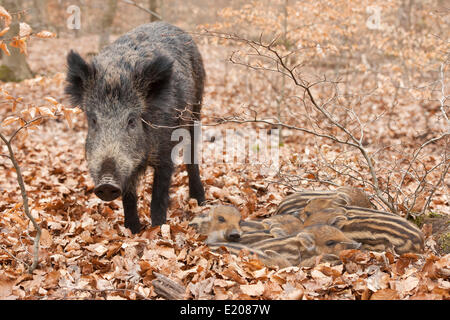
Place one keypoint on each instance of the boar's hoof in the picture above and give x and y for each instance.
(135, 227)
(107, 192)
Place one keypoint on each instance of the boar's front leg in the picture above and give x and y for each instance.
(196, 189)
(160, 193)
(129, 200)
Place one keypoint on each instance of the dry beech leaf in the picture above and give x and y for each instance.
(4, 31)
(202, 289)
(10, 120)
(405, 285)
(165, 231)
(379, 280)
(29, 113)
(46, 238)
(97, 248)
(19, 43)
(5, 15)
(4, 48)
(43, 111)
(385, 294)
(253, 289)
(24, 30)
(76, 110)
(68, 116)
(443, 266)
(6, 288)
(52, 279)
(51, 100)
(404, 261)
(45, 34)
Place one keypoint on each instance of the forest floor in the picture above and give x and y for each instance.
(87, 253)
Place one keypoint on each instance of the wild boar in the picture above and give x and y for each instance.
(135, 93)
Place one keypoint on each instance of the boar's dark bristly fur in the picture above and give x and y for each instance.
(134, 94)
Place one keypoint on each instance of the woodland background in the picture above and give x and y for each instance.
(359, 91)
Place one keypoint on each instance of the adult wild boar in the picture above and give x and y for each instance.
(134, 93)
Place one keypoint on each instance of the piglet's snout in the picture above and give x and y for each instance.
(234, 235)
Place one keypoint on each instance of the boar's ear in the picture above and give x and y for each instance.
(307, 240)
(151, 77)
(78, 72)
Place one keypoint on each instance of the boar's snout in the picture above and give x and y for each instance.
(107, 187)
(107, 191)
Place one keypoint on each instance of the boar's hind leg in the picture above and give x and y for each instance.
(129, 200)
(160, 193)
(196, 190)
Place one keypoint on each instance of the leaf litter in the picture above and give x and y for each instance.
(87, 253)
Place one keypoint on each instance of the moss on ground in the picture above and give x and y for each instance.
(6, 74)
(443, 241)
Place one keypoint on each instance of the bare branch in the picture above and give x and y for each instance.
(133, 3)
(433, 190)
(443, 98)
(415, 155)
(12, 256)
(25, 202)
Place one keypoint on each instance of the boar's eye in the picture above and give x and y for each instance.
(330, 243)
(93, 121)
(221, 219)
(132, 123)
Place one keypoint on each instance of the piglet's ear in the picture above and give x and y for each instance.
(78, 73)
(307, 240)
(336, 220)
(199, 221)
(194, 225)
(152, 76)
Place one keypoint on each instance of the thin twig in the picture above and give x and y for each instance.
(133, 3)
(25, 202)
(415, 155)
(12, 256)
(433, 190)
(443, 97)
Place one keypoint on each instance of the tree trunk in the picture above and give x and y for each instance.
(39, 16)
(107, 21)
(14, 67)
